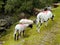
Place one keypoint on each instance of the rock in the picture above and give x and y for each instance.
(21, 15)
(3, 22)
(2, 28)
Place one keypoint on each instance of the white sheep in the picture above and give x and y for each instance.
(43, 16)
(21, 27)
(26, 21)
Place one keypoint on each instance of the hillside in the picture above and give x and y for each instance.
(49, 35)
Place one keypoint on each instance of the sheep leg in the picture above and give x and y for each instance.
(19, 34)
(38, 28)
(15, 37)
(23, 32)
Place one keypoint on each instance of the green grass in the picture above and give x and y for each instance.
(49, 35)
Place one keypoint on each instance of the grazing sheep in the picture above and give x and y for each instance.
(26, 21)
(19, 28)
(43, 16)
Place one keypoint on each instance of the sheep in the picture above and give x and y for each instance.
(19, 28)
(43, 16)
(26, 21)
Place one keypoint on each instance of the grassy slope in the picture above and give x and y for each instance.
(49, 35)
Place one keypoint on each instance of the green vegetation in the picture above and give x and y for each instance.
(49, 35)
(17, 6)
